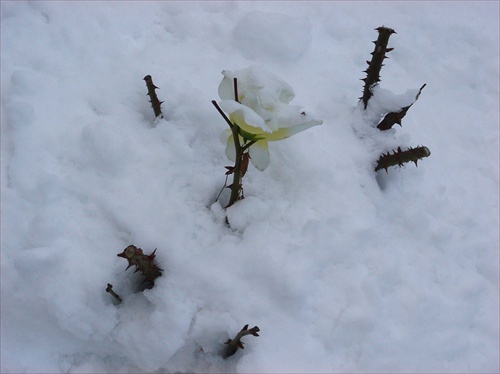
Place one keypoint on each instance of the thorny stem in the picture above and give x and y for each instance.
(235, 187)
(400, 157)
(392, 118)
(155, 103)
(239, 150)
(375, 65)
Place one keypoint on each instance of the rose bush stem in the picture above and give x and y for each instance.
(155, 102)
(240, 150)
(235, 187)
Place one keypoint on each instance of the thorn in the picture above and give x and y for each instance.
(240, 345)
(389, 49)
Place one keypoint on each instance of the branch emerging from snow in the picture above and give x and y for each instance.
(400, 157)
(109, 289)
(232, 345)
(155, 103)
(395, 117)
(375, 65)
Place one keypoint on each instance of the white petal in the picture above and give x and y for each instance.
(245, 117)
(259, 155)
(226, 86)
(230, 150)
(225, 135)
(292, 118)
(269, 87)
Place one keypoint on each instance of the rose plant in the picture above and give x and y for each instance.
(257, 102)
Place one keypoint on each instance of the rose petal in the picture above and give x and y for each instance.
(259, 155)
(226, 86)
(230, 150)
(244, 116)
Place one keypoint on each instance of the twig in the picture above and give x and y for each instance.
(392, 118)
(241, 162)
(232, 345)
(222, 189)
(237, 172)
(109, 289)
(241, 156)
(375, 65)
(400, 157)
(155, 103)
(221, 112)
(235, 84)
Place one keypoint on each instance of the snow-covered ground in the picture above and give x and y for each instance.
(343, 269)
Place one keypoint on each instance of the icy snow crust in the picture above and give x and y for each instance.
(342, 269)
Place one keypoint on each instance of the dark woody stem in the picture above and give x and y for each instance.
(240, 150)
(239, 170)
(244, 147)
(222, 113)
(155, 103)
(240, 165)
(109, 289)
(235, 187)
(235, 85)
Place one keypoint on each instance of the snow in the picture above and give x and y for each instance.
(343, 269)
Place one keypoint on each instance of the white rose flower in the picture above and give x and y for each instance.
(261, 112)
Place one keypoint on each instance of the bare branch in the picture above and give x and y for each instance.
(232, 345)
(109, 289)
(155, 103)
